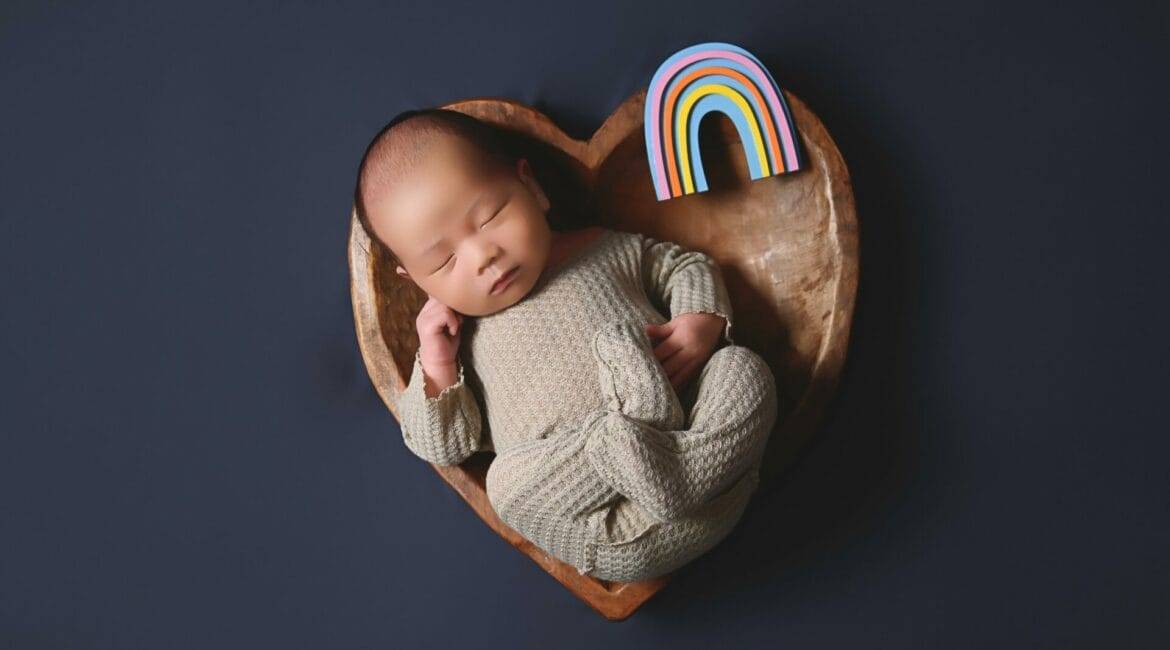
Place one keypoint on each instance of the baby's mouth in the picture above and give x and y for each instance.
(504, 280)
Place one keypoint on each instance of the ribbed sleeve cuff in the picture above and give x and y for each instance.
(700, 289)
(443, 429)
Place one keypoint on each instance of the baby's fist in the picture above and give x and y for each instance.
(685, 343)
(438, 332)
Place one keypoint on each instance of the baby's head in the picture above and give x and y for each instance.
(455, 208)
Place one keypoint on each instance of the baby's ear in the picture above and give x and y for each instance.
(524, 171)
(401, 271)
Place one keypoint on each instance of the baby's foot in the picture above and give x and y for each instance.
(632, 378)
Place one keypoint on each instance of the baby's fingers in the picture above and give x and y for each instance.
(667, 348)
(677, 361)
(683, 375)
(453, 322)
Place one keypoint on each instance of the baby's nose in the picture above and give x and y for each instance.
(489, 256)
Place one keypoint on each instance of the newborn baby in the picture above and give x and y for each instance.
(566, 368)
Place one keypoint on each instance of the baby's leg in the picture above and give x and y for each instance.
(670, 471)
(560, 492)
(632, 379)
(548, 492)
(650, 548)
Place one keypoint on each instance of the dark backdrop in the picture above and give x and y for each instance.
(193, 455)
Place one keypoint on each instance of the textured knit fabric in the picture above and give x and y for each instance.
(598, 461)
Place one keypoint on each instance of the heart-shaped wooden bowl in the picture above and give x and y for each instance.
(787, 246)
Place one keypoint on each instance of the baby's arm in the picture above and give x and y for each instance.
(443, 429)
(684, 281)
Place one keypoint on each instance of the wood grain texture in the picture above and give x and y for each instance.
(787, 246)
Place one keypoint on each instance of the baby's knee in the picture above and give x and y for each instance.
(742, 362)
(504, 486)
(738, 374)
(493, 484)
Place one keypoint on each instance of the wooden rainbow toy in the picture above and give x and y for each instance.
(715, 77)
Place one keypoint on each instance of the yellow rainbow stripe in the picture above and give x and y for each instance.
(685, 116)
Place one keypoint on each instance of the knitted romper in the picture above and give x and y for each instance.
(598, 461)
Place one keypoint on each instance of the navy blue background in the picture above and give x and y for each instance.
(194, 457)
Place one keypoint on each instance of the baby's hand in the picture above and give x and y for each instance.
(438, 332)
(686, 344)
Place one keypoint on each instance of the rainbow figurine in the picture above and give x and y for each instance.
(715, 77)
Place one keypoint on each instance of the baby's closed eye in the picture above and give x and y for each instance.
(450, 258)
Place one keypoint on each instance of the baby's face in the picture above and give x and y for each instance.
(457, 230)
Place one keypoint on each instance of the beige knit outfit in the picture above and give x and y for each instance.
(598, 462)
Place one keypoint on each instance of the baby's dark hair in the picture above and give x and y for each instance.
(400, 145)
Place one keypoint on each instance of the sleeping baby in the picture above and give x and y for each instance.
(627, 444)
